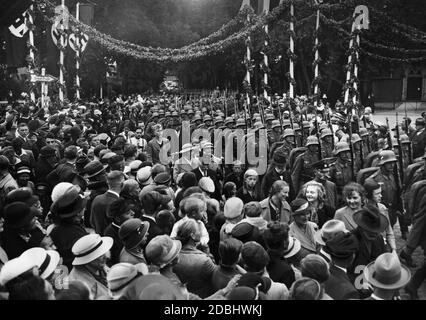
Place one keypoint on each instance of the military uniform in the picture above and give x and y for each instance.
(285, 148)
(302, 170)
(326, 149)
(341, 174)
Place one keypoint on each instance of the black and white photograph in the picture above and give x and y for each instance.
(228, 151)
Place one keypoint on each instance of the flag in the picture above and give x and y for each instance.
(16, 36)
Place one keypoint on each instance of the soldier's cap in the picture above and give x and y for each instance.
(420, 122)
(324, 163)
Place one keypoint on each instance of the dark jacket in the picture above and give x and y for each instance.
(365, 255)
(279, 270)
(64, 237)
(15, 245)
(153, 231)
(338, 286)
(270, 177)
(117, 246)
(98, 218)
(243, 194)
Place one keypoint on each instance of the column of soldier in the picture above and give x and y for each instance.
(84, 187)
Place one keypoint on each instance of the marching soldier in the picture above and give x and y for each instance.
(341, 171)
(326, 143)
(302, 171)
(275, 134)
(357, 145)
(418, 138)
(288, 143)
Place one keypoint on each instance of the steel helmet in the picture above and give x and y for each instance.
(356, 138)
(363, 132)
(326, 132)
(387, 156)
(269, 116)
(229, 120)
(341, 147)
(275, 123)
(207, 118)
(296, 127)
(306, 125)
(218, 119)
(404, 139)
(312, 140)
(286, 123)
(288, 133)
(240, 123)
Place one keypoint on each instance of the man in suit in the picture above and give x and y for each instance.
(98, 218)
(342, 249)
(153, 149)
(204, 171)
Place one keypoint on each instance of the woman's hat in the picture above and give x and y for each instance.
(70, 203)
(387, 272)
(370, 219)
(206, 184)
(14, 268)
(18, 215)
(162, 249)
(22, 195)
(132, 232)
(299, 206)
(60, 190)
(329, 230)
(250, 172)
(94, 168)
(89, 248)
(122, 274)
(46, 260)
(233, 208)
(293, 248)
(144, 176)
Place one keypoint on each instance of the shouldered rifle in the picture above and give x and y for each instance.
(318, 134)
(388, 134)
(400, 152)
(290, 112)
(302, 130)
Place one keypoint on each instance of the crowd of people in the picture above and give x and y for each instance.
(92, 209)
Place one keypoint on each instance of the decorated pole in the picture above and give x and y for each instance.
(317, 57)
(248, 62)
(31, 62)
(349, 67)
(356, 61)
(266, 4)
(77, 55)
(61, 56)
(292, 17)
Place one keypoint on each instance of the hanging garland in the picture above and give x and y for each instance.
(193, 51)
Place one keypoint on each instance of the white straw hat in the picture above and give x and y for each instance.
(90, 247)
(46, 260)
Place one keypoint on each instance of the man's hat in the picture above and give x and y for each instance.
(206, 184)
(370, 219)
(143, 176)
(329, 230)
(387, 273)
(342, 246)
(162, 178)
(279, 158)
(94, 168)
(22, 195)
(14, 268)
(293, 247)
